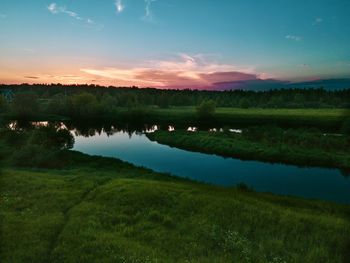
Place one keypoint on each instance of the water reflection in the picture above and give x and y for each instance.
(152, 129)
(129, 143)
(192, 129)
(319, 183)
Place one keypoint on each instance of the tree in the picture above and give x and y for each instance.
(346, 127)
(206, 109)
(3, 104)
(25, 105)
(244, 103)
(84, 105)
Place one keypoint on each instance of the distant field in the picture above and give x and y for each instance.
(330, 119)
(302, 113)
(102, 210)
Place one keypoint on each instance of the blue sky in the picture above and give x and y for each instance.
(171, 43)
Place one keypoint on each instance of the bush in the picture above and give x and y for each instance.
(25, 106)
(206, 109)
(346, 127)
(50, 137)
(3, 104)
(84, 106)
(36, 156)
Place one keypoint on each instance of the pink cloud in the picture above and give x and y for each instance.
(184, 72)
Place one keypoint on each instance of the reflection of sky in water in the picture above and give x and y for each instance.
(319, 183)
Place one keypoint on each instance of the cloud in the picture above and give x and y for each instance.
(31, 77)
(185, 71)
(149, 16)
(295, 38)
(119, 6)
(317, 21)
(3, 15)
(55, 9)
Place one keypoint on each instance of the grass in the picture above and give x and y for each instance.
(330, 119)
(299, 147)
(104, 210)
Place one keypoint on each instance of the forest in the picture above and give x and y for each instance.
(125, 96)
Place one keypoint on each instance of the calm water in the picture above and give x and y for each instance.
(318, 183)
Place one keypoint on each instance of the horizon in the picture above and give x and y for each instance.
(170, 44)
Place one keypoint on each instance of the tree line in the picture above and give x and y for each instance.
(129, 97)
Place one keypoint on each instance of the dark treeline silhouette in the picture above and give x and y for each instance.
(131, 96)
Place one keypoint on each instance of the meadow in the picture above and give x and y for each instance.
(104, 210)
(326, 119)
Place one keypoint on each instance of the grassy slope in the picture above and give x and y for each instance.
(103, 210)
(237, 146)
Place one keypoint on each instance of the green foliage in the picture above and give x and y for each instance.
(91, 103)
(36, 156)
(58, 105)
(3, 104)
(84, 106)
(244, 103)
(39, 147)
(206, 109)
(121, 213)
(25, 105)
(266, 143)
(51, 137)
(346, 126)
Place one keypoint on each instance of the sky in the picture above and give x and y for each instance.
(200, 44)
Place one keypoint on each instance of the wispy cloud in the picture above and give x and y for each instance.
(119, 6)
(149, 16)
(317, 21)
(186, 71)
(295, 38)
(3, 15)
(56, 9)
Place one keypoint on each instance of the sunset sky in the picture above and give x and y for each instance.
(173, 43)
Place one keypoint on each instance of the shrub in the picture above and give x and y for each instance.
(3, 104)
(25, 106)
(206, 109)
(36, 156)
(346, 127)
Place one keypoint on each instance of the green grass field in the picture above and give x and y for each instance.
(327, 119)
(103, 210)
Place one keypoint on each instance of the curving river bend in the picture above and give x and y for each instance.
(136, 148)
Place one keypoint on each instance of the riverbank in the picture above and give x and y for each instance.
(101, 209)
(271, 144)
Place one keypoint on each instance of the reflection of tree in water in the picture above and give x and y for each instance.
(345, 173)
(91, 129)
